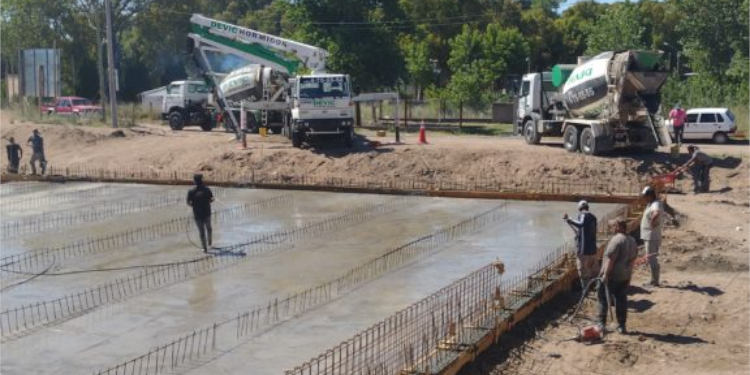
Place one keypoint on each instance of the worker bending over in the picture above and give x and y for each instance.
(701, 163)
(200, 198)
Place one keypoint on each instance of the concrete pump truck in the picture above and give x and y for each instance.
(606, 102)
(254, 82)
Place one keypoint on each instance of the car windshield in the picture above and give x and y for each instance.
(323, 87)
(730, 115)
(81, 102)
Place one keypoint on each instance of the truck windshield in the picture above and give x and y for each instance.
(323, 87)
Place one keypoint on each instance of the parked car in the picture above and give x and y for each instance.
(707, 123)
(71, 105)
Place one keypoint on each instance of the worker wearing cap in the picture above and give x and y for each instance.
(677, 115)
(617, 269)
(585, 228)
(200, 198)
(651, 225)
(701, 163)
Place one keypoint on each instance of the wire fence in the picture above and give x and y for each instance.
(19, 320)
(230, 332)
(429, 182)
(37, 260)
(17, 188)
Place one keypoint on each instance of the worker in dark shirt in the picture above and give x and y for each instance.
(701, 169)
(585, 228)
(37, 146)
(200, 198)
(15, 153)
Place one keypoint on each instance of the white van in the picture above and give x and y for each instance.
(707, 123)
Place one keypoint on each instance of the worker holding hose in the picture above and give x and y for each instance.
(585, 229)
(200, 198)
(615, 274)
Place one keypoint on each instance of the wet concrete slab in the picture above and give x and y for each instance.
(119, 331)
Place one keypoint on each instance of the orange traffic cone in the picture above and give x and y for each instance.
(422, 134)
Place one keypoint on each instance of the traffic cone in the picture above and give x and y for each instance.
(422, 134)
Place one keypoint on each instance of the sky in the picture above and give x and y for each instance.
(565, 4)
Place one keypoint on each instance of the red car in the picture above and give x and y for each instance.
(71, 105)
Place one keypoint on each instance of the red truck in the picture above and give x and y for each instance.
(71, 105)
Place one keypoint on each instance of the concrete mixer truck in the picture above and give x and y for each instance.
(606, 102)
(255, 82)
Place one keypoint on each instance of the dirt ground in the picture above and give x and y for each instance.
(697, 323)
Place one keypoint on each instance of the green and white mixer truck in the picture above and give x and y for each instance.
(608, 101)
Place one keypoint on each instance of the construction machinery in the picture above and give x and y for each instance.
(606, 102)
(255, 76)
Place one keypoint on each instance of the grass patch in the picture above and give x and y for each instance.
(742, 119)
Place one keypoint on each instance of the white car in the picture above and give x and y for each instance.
(707, 123)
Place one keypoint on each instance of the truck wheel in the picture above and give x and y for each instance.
(530, 133)
(296, 139)
(570, 139)
(720, 138)
(176, 121)
(349, 138)
(588, 142)
(206, 125)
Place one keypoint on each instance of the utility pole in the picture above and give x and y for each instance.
(111, 64)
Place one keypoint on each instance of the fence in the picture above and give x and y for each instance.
(36, 261)
(18, 320)
(417, 184)
(228, 333)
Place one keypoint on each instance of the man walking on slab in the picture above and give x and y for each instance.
(585, 229)
(200, 198)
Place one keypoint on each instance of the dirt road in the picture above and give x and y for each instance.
(698, 323)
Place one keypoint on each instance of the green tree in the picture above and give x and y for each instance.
(620, 27)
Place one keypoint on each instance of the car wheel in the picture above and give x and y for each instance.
(530, 133)
(588, 142)
(206, 126)
(720, 138)
(176, 121)
(570, 139)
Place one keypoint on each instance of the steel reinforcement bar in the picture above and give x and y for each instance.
(491, 186)
(230, 332)
(440, 333)
(52, 220)
(37, 260)
(19, 320)
(56, 198)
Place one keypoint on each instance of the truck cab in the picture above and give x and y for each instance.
(321, 106)
(186, 103)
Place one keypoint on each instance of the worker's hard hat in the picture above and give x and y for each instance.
(583, 205)
(648, 191)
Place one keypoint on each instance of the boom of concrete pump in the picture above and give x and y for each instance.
(606, 102)
(254, 71)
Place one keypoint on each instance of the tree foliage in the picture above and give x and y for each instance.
(462, 51)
